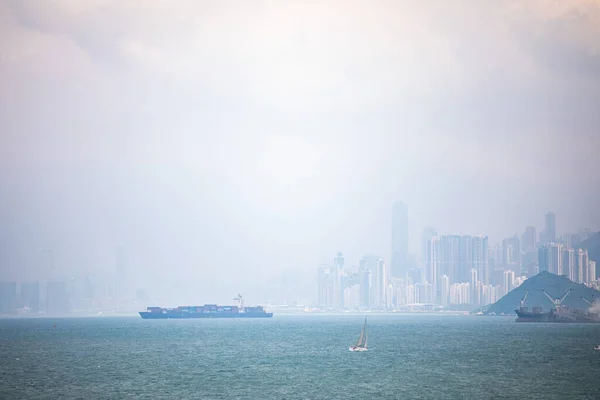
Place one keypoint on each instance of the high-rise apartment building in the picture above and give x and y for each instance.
(480, 261)
(325, 295)
(581, 264)
(555, 252)
(509, 281)
(444, 290)
(57, 299)
(511, 250)
(426, 236)
(550, 227)
(373, 279)
(568, 263)
(399, 268)
(30, 296)
(449, 257)
(543, 259)
(432, 252)
(338, 289)
(529, 242)
(592, 274)
(456, 255)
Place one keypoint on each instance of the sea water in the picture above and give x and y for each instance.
(298, 357)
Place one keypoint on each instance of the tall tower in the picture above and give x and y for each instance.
(384, 281)
(338, 290)
(555, 263)
(480, 261)
(568, 259)
(529, 241)
(325, 296)
(543, 259)
(426, 236)
(432, 260)
(550, 227)
(399, 240)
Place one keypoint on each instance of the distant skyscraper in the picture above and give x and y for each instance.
(325, 295)
(568, 261)
(427, 234)
(585, 266)
(366, 287)
(444, 290)
(30, 296)
(529, 241)
(511, 250)
(581, 262)
(456, 255)
(338, 264)
(352, 297)
(449, 259)
(459, 293)
(592, 271)
(465, 258)
(473, 286)
(373, 280)
(57, 300)
(382, 283)
(425, 293)
(509, 280)
(399, 240)
(432, 253)
(555, 259)
(543, 259)
(550, 227)
(479, 258)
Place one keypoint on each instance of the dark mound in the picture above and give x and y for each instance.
(554, 285)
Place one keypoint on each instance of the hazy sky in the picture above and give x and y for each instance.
(228, 144)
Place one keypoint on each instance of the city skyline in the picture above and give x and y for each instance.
(231, 156)
(453, 270)
(442, 271)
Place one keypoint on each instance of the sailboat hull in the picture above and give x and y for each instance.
(357, 349)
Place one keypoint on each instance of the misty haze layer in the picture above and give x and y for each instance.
(234, 146)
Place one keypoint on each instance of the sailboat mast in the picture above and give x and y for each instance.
(362, 335)
(365, 332)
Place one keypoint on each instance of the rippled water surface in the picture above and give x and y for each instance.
(298, 357)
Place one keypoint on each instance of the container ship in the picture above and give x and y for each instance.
(558, 314)
(206, 311)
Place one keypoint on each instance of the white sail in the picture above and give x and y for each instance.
(361, 344)
(362, 335)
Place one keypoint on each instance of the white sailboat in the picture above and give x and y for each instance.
(361, 345)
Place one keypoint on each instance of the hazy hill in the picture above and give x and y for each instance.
(592, 244)
(554, 285)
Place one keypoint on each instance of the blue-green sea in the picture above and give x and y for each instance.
(298, 357)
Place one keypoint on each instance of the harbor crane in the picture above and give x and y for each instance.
(589, 303)
(240, 300)
(524, 298)
(557, 302)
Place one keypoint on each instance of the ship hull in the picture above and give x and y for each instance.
(535, 317)
(553, 317)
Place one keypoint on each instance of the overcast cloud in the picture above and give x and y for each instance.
(231, 145)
